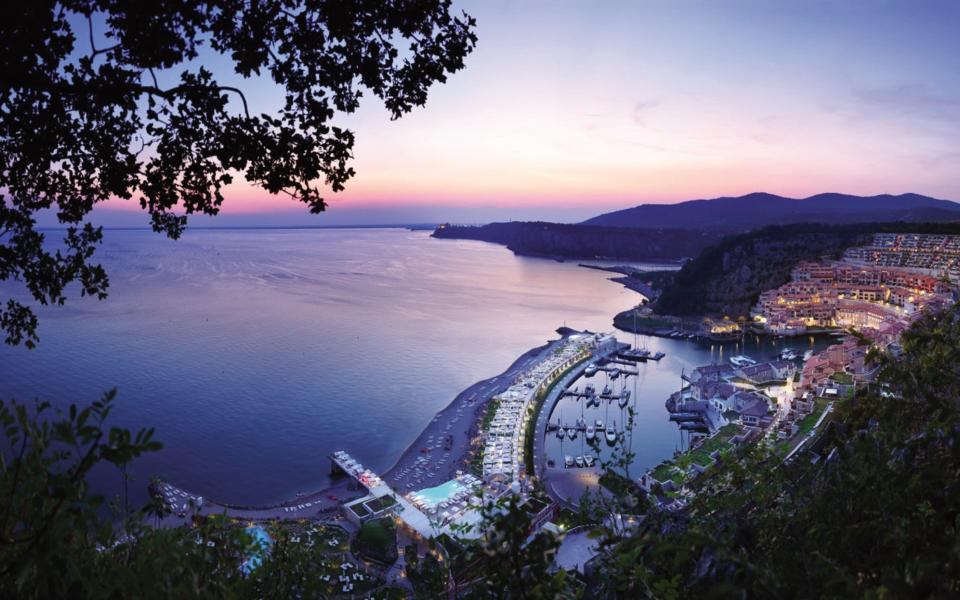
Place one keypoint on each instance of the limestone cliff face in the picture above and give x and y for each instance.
(726, 279)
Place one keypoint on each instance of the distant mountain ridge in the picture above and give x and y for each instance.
(560, 240)
(759, 209)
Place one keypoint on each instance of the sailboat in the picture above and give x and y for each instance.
(591, 433)
(624, 398)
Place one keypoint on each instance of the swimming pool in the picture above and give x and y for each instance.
(435, 495)
(260, 536)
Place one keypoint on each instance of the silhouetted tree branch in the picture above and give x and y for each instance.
(79, 128)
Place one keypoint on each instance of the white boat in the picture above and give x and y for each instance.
(568, 461)
(572, 433)
(599, 425)
(615, 373)
(611, 433)
(591, 432)
(561, 432)
(588, 459)
(742, 361)
(606, 390)
(580, 462)
(624, 398)
(590, 390)
(591, 370)
(807, 354)
(581, 422)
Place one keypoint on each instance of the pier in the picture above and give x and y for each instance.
(585, 396)
(343, 463)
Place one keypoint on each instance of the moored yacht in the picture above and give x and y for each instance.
(615, 373)
(572, 433)
(606, 390)
(568, 461)
(561, 432)
(624, 398)
(611, 433)
(588, 459)
(591, 370)
(599, 425)
(742, 361)
(591, 432)
(580, 462)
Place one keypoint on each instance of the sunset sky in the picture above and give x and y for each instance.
(568, 109)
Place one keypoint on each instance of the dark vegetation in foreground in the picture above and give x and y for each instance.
(871, 509)
(727, 278)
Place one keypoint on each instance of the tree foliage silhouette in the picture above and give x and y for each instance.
(104, 100)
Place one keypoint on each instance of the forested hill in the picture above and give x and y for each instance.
(582, 241)
(727, 278)
(752, 211)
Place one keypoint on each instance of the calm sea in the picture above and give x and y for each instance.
(255, 353)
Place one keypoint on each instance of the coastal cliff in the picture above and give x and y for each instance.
(727, 278)
(558, 240)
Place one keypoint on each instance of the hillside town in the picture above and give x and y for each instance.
(842, 294)
(867, 300)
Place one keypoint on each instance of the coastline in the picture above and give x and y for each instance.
(327, 499)
(475, 397)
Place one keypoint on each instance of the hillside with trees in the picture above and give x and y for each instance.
(726, 279)
(557, 240)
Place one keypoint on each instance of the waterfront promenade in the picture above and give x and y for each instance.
(416, 469)
(540, 429)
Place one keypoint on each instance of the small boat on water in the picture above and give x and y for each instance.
(568, 461)
(590, 371)
(615, 373)
(807, 354)
(572, 433)
(588, 459)
(742, 361)
(599, 425)
(590, 390)
(581, 422)
(658, 356)
(624, 398)
(611, 433)
(580, 462)
(788, 354)
(561, 432)
(606, 390)
(591, 433)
